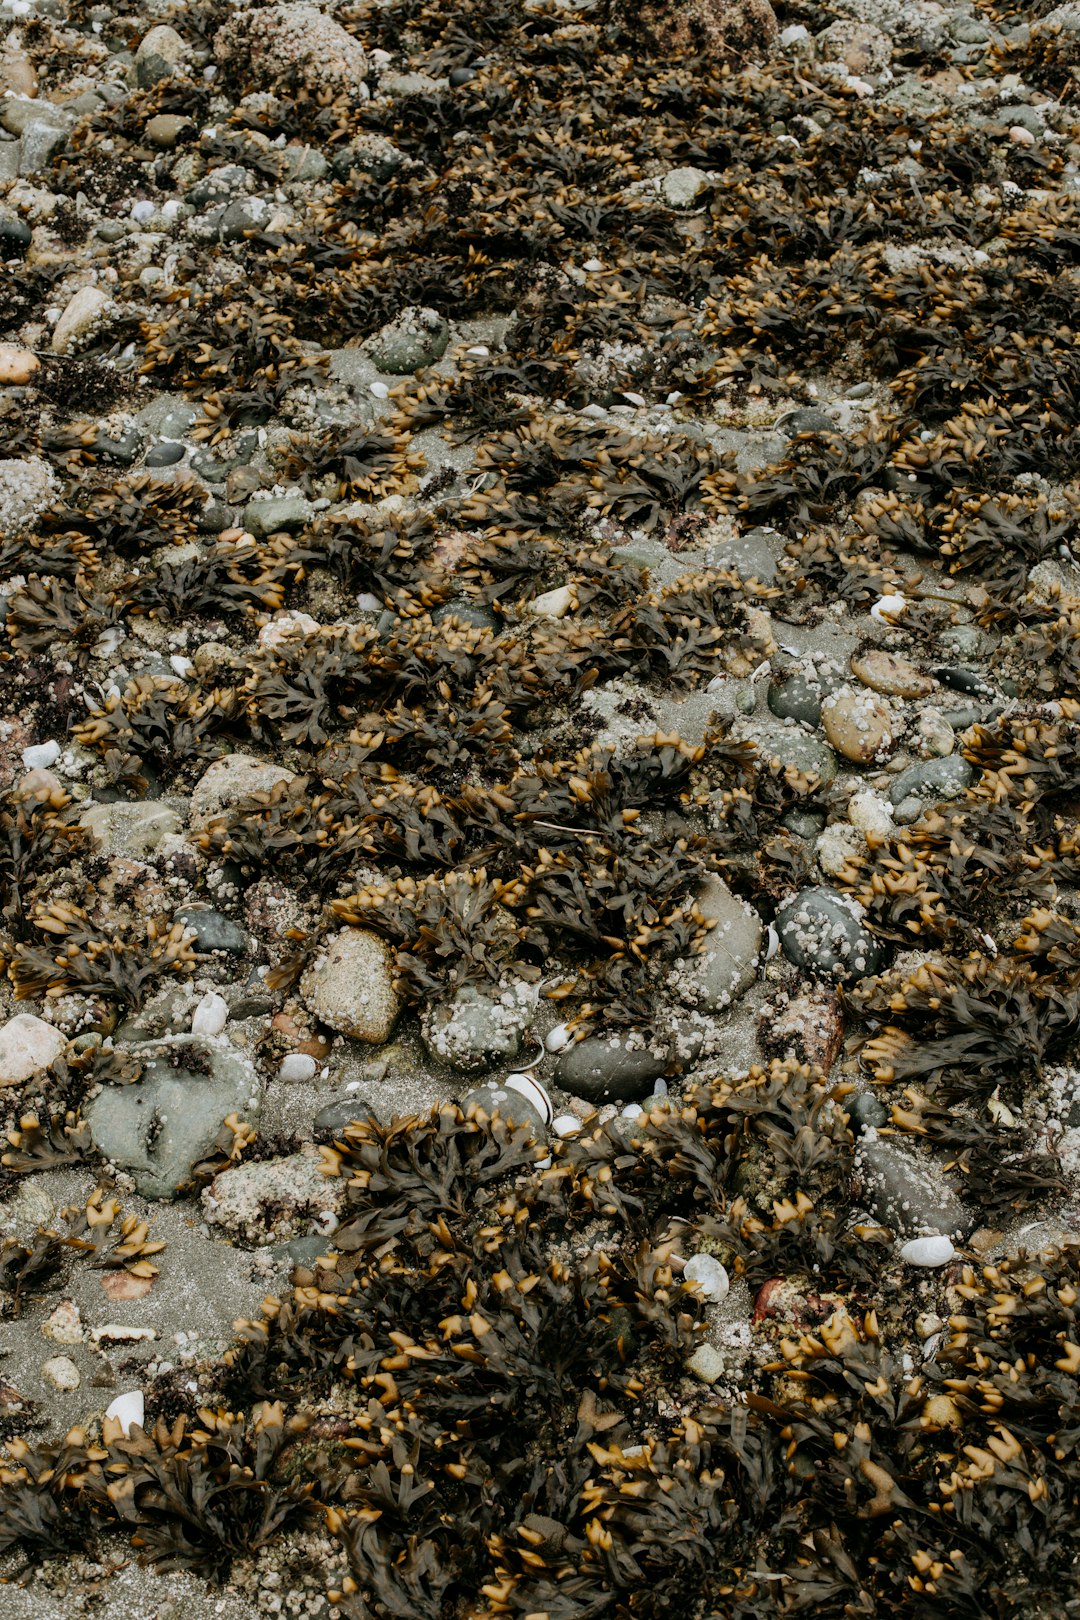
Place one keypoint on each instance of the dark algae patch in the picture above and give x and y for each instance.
(535, 523)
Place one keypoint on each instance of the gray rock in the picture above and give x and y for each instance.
(414, 339)
(933, 780)
(603, 1068)
(906, 1194)
(130, 829)
(807, 419)
(681, 188)
(303, 163)
(865, 1111)
(122, 452)
(111, 230)
(478, 1028)
(823, 930)
(793, 747)
(468, 612)
(170, 417)
(232, 778)
(159, 1128)
(17, 114)
(27, 485)
(278, 512)
(213, 932)
(41, 140)
(797, 693)
(750, 555)
(371, 154)
(234, 220)
(336, 1115)
(15, 234)
(803, 823)
(232, 180)
(727, 965)
(509, 1104)
(165, 455)
(159, 54)
(304, 1251)
(10, 158)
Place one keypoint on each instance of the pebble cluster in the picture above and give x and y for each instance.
(539, 794)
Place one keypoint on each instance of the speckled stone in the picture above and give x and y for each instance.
(727, 964)
(933, 780)
(350, 986)
(857, 725)
(798, 694)
(887, 673)
(805, 754)
(823, 930)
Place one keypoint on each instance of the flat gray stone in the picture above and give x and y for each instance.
(824, 931)
(933, 780)
(279, 512)
(727, 966)
(477, 1028)
(906, 1194)
(414, 339)
(603, 1068)
(159, 1128)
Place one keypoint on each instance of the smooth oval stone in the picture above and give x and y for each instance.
(928, 1251)
(933, 780)
(972, 682)
(907, 1193)
(807, 419)
(887, 673)
(509, 1104)
(164, 455)
(602, 1068)
(824, 931)
(864, 1110)
(460, 76)
(799, 693)
(857, 726)
(213, 932)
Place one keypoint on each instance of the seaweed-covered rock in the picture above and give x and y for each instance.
(727, 963)
(271, 1200)
(414, 339)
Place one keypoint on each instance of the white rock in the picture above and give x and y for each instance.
(553, 604)
(61, 1372)
(27, 485)
(180, 665)
(706, 1363)
(283, 626)
(297, 1066)
(129, 1410)
(368, 602)
(888, 606)
(928, 1251)
(84, 311)
(708, 1274)
(27, 1046)
(41, 756)
(838, 845)
(870, 814)
(64, 1326)
(211, 1015)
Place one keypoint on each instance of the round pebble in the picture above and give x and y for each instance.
(928, 1251)
(857, 726)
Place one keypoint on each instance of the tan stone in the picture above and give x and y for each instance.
(18, 76)
(857, 725)
(888, 673)
(17, 365)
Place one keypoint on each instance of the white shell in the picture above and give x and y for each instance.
(533, 1092)
(368, 602)
(557, 1038)
(928, 1251)
(210, 1015)
(566, 1125)
(379, 389)
(128, 1409)
(886, 605)
(632, 1111)
(708, 1274)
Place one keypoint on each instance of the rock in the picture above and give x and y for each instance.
(232, 778)
(708, 1275)
(865, 1111)
(870, 814)
(271, 1200)
(351, 986)
(517, 1104)
(160, 1127)
(274, 513)
(887, 673)
(478, 1028)
(131, 829)
(802, 753)
(972, 682)
(232, 222)
(706, 1363)
(414, 339)
(41, 139)
(681, 188)
(860, 46)
(906, 1193)
(928, 1251)
(797, 694)
(62, 1373)
(271, 44)
(808, 419)
(15, 233)
(165, 129)
(27, 486)
(297, 1066)
(41, 756)
(129, 1410)
(332, 1119)
(303, 164)
(17, 365)
(837, 846)
(935, 736)
(824, 931)
(605, 1068)
(27, 1046)
(553, 604)
(803, 823)
(750, 555)
(221, 185)
(85, 312)
(460, 76)
(159, 54)
(727, 964)
(808, 1027)
(933, 781)
(18, 76)
(165, 455)
(717, 29)
(857, 726)
(64, 1325)
(211, 1015)
(213, 932)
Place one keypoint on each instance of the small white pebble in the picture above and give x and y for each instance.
(41, 756)
(928, 1251)
(368, 602)
(129, 1410)
(632, 1111)
(210, 1016)
(709, 1275)
(478, 348)
(297, 1066)
(1021, 136)
(183, 666)
(142, 210)
(592, 265)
